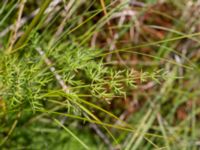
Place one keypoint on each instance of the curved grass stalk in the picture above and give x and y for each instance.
(143, 54)
(127, 129)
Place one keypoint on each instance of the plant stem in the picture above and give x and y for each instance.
(37, 18)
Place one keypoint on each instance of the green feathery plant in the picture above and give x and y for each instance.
(55, 86)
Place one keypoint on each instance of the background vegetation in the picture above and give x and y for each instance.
(99, 74)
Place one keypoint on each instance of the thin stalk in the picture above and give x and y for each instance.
(35, 21)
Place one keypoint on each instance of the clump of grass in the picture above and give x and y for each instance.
(114, 75)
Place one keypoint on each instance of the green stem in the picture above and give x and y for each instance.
(36, 19)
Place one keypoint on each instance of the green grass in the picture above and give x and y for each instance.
(99, 74)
